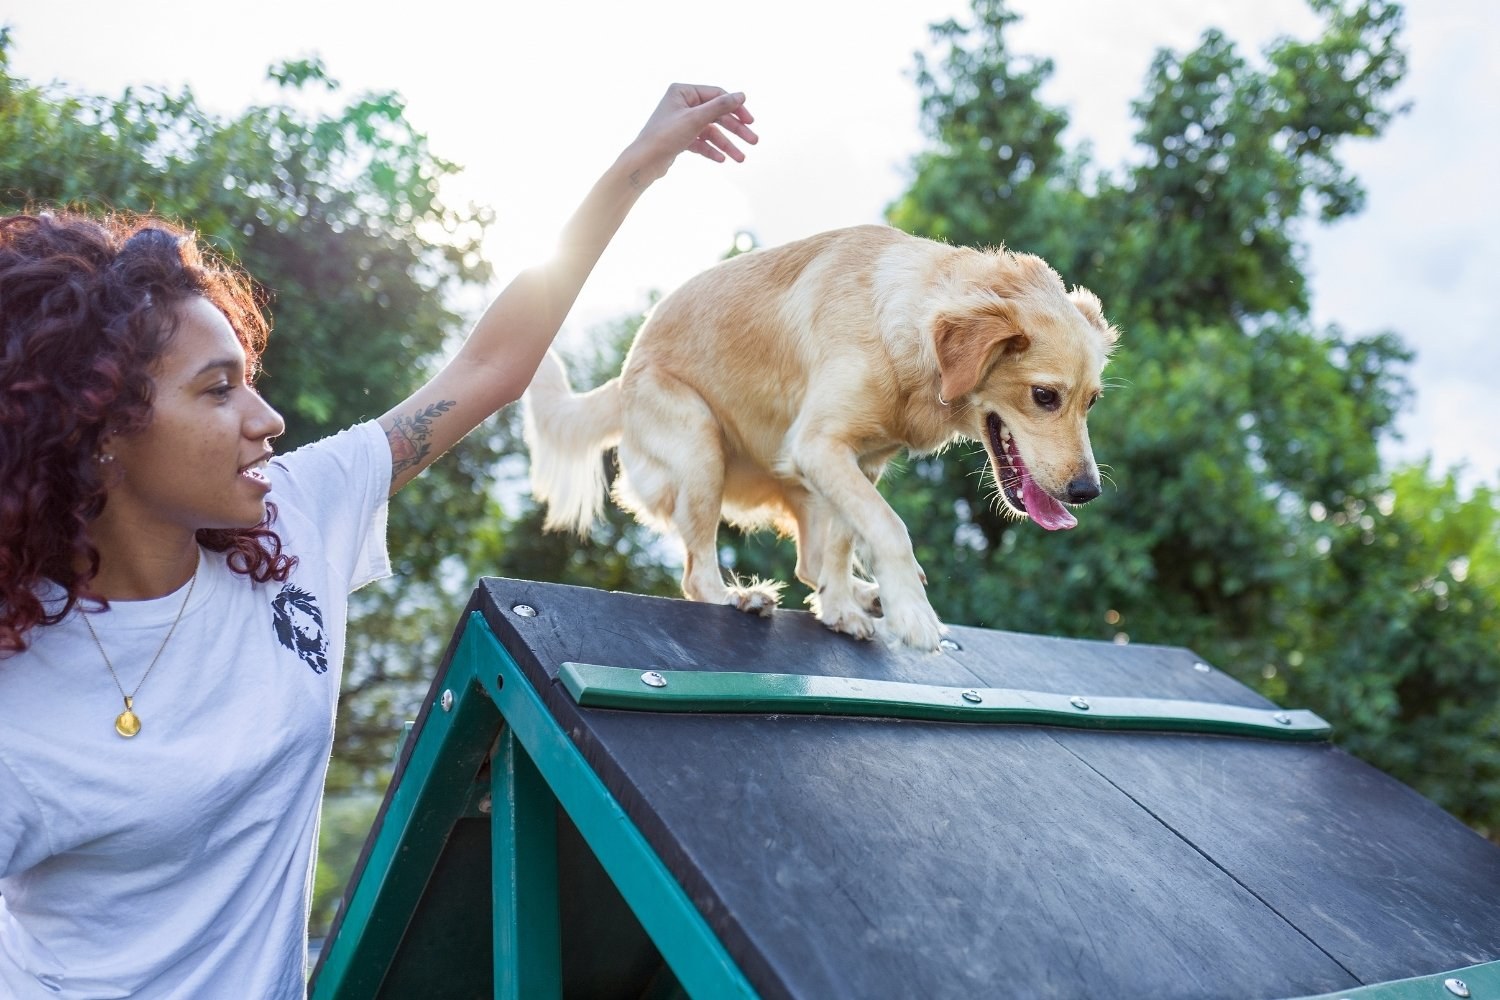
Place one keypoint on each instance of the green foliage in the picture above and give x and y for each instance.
(338, 218)
(346, 823)
(1249, 517)
(1395, 631)
(1236, 155)
(998, 169)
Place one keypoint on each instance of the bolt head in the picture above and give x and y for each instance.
(447, 700)
(653, 679)
(972, 695)
(1282, 718)
(1079, 702)
(948, 645)
(1201, 667)
(525, 610)
(1457, 987)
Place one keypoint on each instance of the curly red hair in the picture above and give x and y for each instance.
(87, 307)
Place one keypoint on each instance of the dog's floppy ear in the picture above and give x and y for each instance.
(1088, 303)
(966, 343)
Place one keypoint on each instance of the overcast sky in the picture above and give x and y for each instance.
(535, 99)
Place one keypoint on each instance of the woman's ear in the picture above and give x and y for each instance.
(104, 454)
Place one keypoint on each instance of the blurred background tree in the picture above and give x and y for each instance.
(1250, 518)
(337, 217)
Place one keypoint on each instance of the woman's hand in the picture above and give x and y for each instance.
(691, 117)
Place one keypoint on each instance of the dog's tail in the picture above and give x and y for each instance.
(567, 434)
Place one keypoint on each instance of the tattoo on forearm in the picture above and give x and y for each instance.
(635, 179)
(411, 437)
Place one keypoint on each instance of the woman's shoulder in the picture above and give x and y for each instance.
(331, 495)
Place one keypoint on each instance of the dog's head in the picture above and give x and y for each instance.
(1020, 360)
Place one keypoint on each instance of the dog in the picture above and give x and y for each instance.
(774, 388)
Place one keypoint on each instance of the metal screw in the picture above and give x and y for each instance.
(948, 644)
(448, 700)
(525, 610)
(1283, 718)
(1079, 702)
(653, 679)
(972, 695)
(1457, 987)
(486, 805)
(1201, 667)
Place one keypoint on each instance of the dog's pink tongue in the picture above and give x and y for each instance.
(1044, 510)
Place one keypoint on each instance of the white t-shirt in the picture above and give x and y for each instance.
(178, 863)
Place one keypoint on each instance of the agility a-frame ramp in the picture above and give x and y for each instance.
(608, 795)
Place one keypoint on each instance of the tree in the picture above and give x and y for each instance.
(1396, 629)
(1252, 519)
(339, 219)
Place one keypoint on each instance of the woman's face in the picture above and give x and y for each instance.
(199, 463)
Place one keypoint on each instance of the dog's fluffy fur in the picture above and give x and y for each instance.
(773, 388)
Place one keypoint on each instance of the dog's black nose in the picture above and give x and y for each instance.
(1083, 489)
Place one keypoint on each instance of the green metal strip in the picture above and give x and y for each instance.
(1478, 981)
(597, 686)
(528, 938)
(689, 946)
(436, 789)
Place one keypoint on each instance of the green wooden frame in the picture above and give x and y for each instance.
(1477, 981)
(598, 686)
(489, 711)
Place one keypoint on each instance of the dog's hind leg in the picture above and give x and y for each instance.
(675, 477)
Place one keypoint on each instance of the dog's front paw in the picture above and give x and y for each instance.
(758, 597)
(846, 614)
(912, 624)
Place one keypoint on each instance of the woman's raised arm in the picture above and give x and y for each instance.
(497, 361)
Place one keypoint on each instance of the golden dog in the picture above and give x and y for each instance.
(773, 388)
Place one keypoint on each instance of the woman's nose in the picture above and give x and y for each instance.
(265, 422)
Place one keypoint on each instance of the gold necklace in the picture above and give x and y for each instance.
(127, 723)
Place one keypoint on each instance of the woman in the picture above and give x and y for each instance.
(173, 597)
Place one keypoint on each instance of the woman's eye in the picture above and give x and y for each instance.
(221, 391)
(1045, 398)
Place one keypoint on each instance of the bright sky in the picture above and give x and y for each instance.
(536, 98)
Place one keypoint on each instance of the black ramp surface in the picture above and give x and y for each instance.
(863, 858)
(897, 859)
(1383, 880)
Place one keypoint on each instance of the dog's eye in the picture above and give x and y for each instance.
(1044, 397)
(1093, 399)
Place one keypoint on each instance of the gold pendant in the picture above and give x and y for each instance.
(127, 723)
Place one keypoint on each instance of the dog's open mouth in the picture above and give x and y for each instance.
(1020, 491)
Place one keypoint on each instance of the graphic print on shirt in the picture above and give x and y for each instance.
(299, 626)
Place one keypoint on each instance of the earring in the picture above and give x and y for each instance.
(941, 400)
